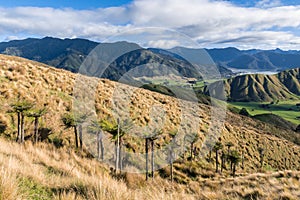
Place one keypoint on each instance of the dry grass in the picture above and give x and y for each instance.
(61, 175)
(43, 172)
(8, 185)
(46, 85)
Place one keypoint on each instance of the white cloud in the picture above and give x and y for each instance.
(167, 44)
(12, 37)
(212, 23)
(62, 22)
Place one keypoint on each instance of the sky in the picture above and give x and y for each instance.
(258, 24)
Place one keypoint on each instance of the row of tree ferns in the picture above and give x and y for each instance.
(118, 129)
(231, 156)
(24, 109)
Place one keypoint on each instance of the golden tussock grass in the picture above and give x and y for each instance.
(45, 85)
(44, 172)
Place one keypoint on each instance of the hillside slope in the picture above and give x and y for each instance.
(275, 120)
(257, 87)
(44, 172)
(45, 85)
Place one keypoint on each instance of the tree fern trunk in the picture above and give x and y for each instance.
(234, 169)
(171, 162)
(120, 156)
(102, 149)
(19, 138)
(217, 162)
(118, 146)
(22, 128)
(146, 154)
(192, 148)
(209, 156)
(36, 130)
(117, 157)
(261, 161)
(152, 159)
(80, 136)
(243, 159)
(98, 145)
(285, 165)
(76, 136)
(222, 161)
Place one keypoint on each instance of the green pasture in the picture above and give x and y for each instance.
(285, 109)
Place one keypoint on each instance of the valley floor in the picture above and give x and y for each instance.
(285, 109)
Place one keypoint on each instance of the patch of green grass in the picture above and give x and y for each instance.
(60, 94)
(268, 168)
(3, 79)
(33, 190)
(285, 109)
(64, 96)
(56, 140)
(205, 82)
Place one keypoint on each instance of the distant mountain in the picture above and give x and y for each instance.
(69, 54)
(258, 87)
(270, 60)
(224, 55)
(164, 65)
(201, 58)
(66, 54)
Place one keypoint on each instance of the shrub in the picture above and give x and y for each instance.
(58, 142)
(244, 112)
(2, 127)
(298, 129)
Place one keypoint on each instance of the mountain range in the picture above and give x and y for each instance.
(69, 54)
(66, 54)
(270, 60)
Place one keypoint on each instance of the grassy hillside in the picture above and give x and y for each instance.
(63, 175)
(275, 120)
(52, 87)
(260, 88)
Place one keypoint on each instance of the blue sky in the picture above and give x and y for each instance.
(76, 4)
(92, 4)
(253, 3)
(264, 24)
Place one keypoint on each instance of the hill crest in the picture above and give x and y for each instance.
(260, 88)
